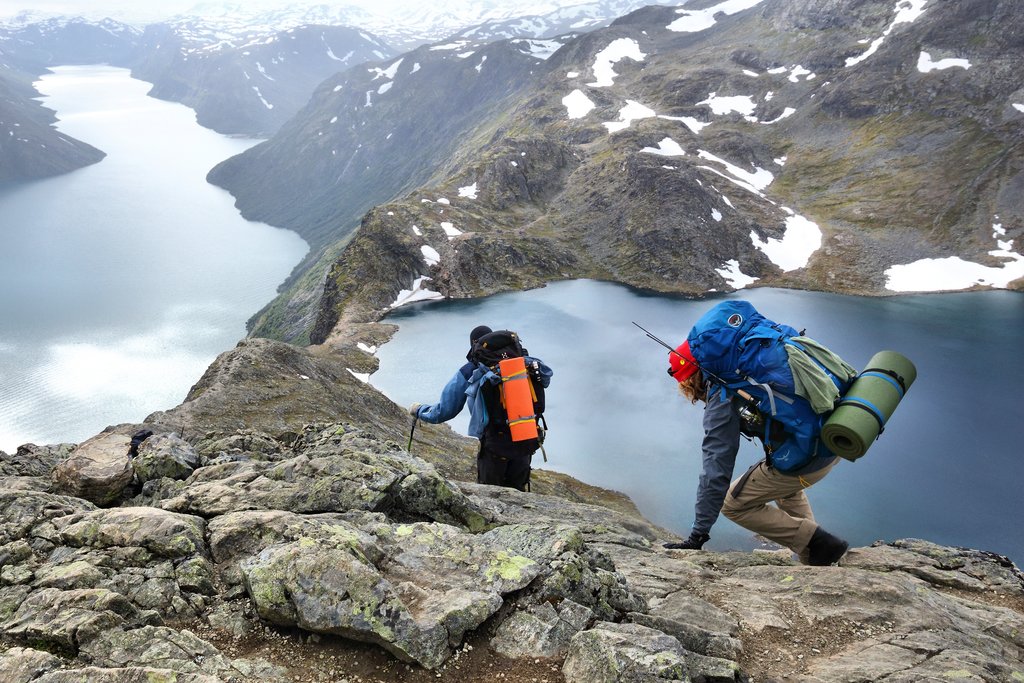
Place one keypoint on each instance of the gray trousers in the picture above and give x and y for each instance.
(790, 521)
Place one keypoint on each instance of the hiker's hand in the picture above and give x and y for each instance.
(414, 409)
(696, 541)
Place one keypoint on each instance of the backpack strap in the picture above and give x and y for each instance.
(772, 394)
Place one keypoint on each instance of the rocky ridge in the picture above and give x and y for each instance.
(329, 534)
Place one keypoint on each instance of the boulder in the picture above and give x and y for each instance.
(22, 665)
(23, 511)
(98, 470)
(159, 647)
(68, 619)
(133, 674)
(164, 455)
(165, 534)
(31, 460)
(337, 472)
(541, 630)
(430, 585)
(630, 653)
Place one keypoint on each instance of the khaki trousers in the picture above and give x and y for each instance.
(789, 522)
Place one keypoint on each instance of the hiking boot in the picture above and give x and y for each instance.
(695, 542)
(825, 549)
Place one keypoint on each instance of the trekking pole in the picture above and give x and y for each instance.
(411, 432)
(541, 440)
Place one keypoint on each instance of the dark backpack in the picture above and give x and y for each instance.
(491, 349)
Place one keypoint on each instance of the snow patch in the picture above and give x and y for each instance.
(578, 104)
(417, 293)
(801, 239)
(363, 377)
(786, 113)
(430, 255)
(731, 273)
(754, 182)
(740, 104)
(951, 273)
(907, 11)
(717, 215)
(370, 349)
(468, 191)
(633, 111)
(667, 147)
(450, 230)
(617, 50)
(700, 20)
(926, 64)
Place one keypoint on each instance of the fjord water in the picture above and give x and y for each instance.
(123, 280)
(949, 467)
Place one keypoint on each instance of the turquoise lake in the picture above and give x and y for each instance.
(948, 467)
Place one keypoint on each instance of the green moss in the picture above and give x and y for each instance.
(404, 530)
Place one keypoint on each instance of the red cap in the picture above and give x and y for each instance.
(681, 363)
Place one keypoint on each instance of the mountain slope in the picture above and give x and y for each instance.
(793, 143)
(249, 81)
(369, 133)
(30, 147)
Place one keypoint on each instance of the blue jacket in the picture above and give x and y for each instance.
(464, 387)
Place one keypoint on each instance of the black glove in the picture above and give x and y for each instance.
(695, 542)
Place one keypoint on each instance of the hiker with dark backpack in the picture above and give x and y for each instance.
(767, 381)
(504, 387)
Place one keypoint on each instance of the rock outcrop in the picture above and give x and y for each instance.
(334, 533)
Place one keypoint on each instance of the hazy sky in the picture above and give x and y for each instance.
(149, 10)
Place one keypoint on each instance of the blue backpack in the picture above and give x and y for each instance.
(743, 353)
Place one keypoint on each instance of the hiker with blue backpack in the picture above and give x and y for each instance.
(766, 381)
(497, 377)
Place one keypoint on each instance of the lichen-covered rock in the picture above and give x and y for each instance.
(541, 630)
(163, 533)
(332, 474)
(630, 653)
(963, 568)
(164, 455)
(697, 624)
(23, 665)
(247, 442)
(68, 619)
(432, 584)
(98, 470)
(132, 674)
(31, 460)
(240, 535)
(22, 511)
(160, 647)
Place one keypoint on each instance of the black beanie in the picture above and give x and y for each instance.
(478, 332)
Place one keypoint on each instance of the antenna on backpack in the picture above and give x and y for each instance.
(647, 332)
(715, 378)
